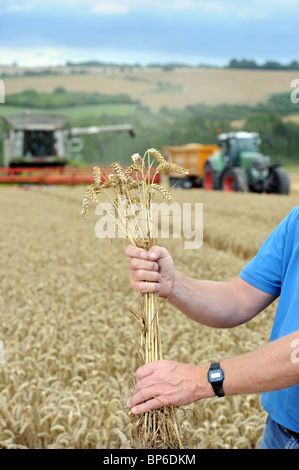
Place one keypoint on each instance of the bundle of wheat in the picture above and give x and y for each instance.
(159, 428)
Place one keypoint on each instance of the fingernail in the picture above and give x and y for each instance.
(152, 255)
(128, 404)
(143, 255)
(133, 410)
(156, 267)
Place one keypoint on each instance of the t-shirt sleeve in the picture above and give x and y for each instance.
(264, 271)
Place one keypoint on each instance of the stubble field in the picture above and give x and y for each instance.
(66, 327)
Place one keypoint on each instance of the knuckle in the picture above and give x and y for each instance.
(139, 372)
(141, 274)
(155, 266)
(141, 287)
(161, 376)
(142, 396)
(165, 399)
(134, 262)
(151, 286)
(138, 387)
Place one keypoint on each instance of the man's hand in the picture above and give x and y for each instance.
(164, 383)
(151, 271)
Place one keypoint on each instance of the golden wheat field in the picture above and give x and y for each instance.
(66, 329)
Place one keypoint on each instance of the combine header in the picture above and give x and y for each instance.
(47, 175)
(67, 175)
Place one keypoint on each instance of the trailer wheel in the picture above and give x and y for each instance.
(210, 179)
(278, 181)
(180, 183)
(234, 179)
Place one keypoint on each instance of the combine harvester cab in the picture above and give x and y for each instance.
(34, 140)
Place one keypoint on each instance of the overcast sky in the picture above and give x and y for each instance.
(132, 31)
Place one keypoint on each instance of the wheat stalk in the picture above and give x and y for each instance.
(159, 428)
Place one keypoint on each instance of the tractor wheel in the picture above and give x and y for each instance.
(210, 180)
(278, 181)
(234, 179)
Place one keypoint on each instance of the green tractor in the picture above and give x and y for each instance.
(239, 166)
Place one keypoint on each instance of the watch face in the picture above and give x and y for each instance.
(215, 375)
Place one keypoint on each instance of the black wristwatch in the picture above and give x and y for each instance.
(216, 377)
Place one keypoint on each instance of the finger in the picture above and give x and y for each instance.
(142, 396)
(145, 287)
(157, 253)
(136, 263)
(135, 252)
(149, 276)
(149, 405)
(145, 370)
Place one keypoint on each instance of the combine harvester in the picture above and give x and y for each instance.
(38, 149)
(235, 164)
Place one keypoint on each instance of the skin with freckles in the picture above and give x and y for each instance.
(216, 304)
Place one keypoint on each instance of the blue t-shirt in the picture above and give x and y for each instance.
(275, 269)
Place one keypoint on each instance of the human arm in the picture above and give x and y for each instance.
(217, 304)
(271, 367)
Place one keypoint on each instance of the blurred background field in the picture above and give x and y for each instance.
(166, 106)
(67, 328)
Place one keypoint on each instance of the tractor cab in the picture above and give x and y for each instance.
(233, 144)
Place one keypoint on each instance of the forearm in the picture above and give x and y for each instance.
(271, 367)
(211, 303)
(217, 304)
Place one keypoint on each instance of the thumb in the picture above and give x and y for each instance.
(157, 253)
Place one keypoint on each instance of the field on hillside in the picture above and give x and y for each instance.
(66, 328)
(174, 89)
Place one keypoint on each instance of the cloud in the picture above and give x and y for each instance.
(253, 9)
(108, 7)
(51, 56)
(229, 8)
(138, 31)
(15, 7)
(33, 56)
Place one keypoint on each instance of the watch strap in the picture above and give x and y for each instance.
(217, 386)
